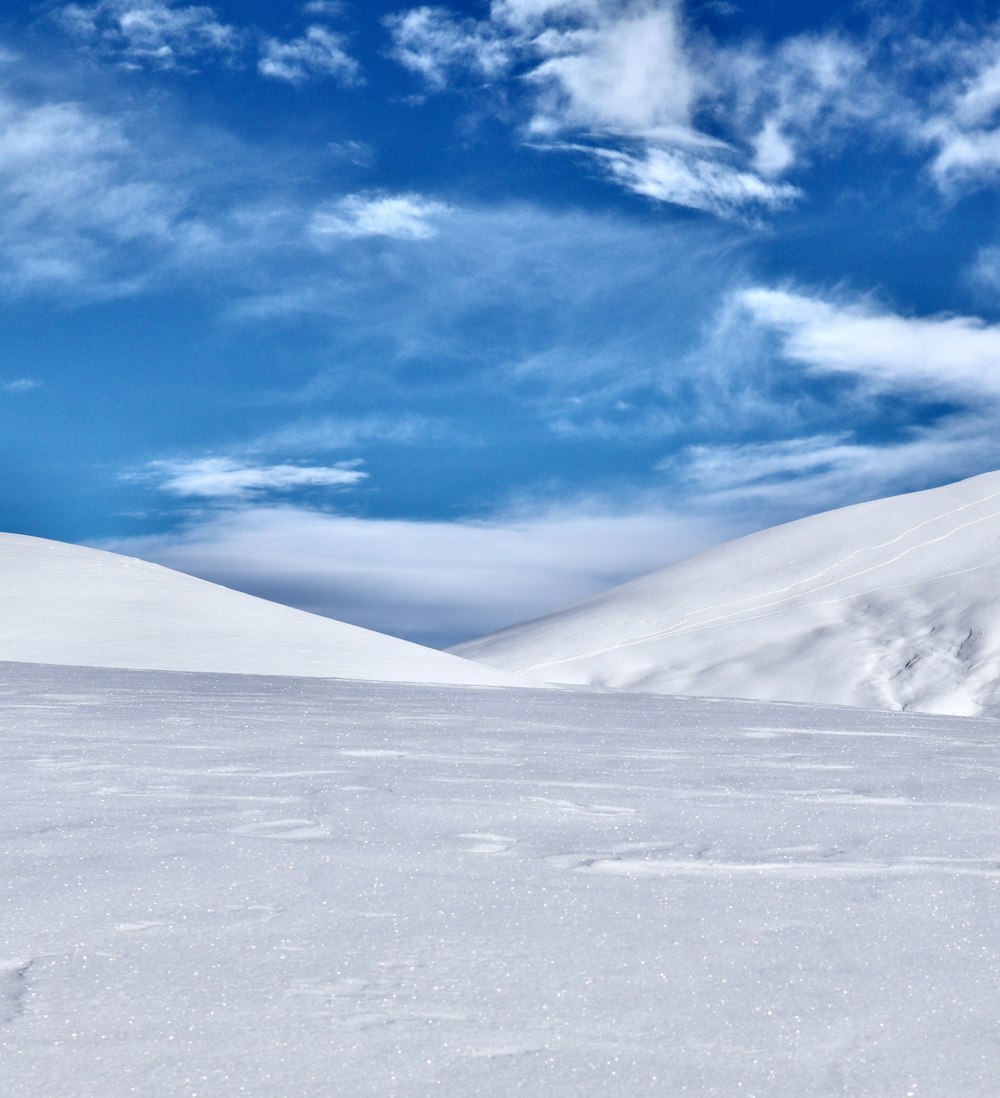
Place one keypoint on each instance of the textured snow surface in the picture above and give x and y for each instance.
(890, 605)
(71, 605)
(227, 885)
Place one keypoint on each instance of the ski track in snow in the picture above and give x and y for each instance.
(681, 626)
(386, 890)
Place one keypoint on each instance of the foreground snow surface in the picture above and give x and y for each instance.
(893, 604)
(68, 604)
(222, 885)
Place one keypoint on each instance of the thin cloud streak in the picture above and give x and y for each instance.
(772, 482)
(399, 216)
(228, 478)
(341, 432)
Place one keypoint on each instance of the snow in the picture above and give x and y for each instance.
(229, 885)
(893, 604)
(65, 604)
(377, 871)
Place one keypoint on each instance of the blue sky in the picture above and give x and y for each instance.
(432, 318)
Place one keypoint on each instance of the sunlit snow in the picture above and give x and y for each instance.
(893, 604)
(226, 885)
(314, 883)
(68, 604)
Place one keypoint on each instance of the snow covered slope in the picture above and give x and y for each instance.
(893, 604)
(65, 604)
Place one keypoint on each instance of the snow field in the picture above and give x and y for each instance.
(226, 885)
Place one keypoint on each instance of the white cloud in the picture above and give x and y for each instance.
(800, 98)
(433, 43)
(964, 158)
(640, 87)
(20, 385)
(358, 153)
(165, 34)
(95, 203)
(945, 355)
(697, 181)
(960, 120)
(317, 53)
(921, 405)
(714, 468)
(531, 15)
(153, 32)
(668, 114)
(226, 478)
(985, 270)
(977, 102)
(79, 205)
(773, 152)
(775, 481)
(629, 73)
(402, 216)
(439, 582)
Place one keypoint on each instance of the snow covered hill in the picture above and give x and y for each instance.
(64, 604)
(893, 604)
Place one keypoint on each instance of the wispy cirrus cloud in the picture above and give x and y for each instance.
(226, 478)
(698, 182)
(99, 203)
(774, 481)
(96, 203)
(708, 468)
(400, 216)
(341, 432)
(20, 385)
(75, 193)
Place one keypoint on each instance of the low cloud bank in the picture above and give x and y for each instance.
(434, 582)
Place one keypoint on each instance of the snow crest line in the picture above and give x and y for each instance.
(678, 627)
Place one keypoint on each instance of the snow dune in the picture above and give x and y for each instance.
(65, 604)
(893, 604)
